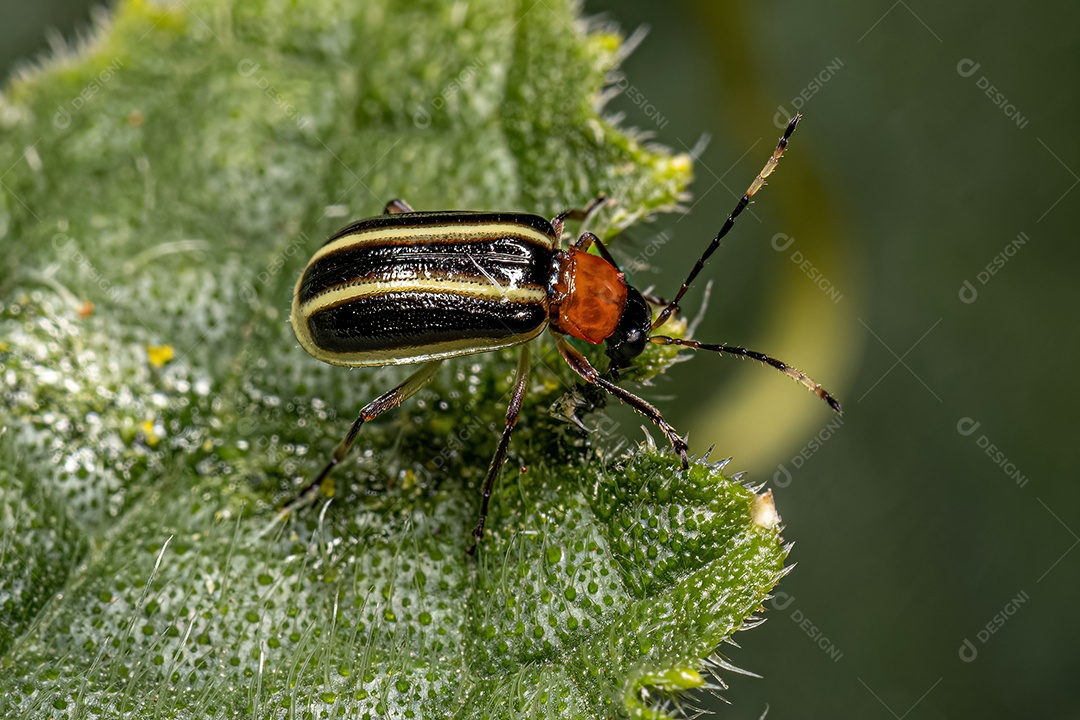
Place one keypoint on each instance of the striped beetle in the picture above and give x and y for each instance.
(420, 287)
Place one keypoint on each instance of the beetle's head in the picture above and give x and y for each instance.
(632, 333)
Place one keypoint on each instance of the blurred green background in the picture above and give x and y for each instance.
(936, 523)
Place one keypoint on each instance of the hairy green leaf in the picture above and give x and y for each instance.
(162, 187)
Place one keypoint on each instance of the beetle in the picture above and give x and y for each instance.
(420, 287)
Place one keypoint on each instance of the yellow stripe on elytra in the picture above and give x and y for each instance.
(487, 290)
(431, 233)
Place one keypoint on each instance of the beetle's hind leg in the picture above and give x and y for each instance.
(375, 408)
(517, 395)
(397, 206)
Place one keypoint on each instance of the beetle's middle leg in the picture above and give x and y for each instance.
(517, 395)
(375, 408)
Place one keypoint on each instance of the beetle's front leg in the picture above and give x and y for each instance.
(512, 412)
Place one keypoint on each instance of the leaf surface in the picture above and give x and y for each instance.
(164, 186)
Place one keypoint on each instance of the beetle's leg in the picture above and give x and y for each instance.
(798, 375)
(397, 206)
(577, 214)
(587, 240)
(386, 401)
(516, 397)
(579, 364)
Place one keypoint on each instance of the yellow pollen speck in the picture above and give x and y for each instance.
(152, 438)
(159, 354)
(682, 163)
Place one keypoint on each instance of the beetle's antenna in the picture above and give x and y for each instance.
(798, 375)
(756, 185)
